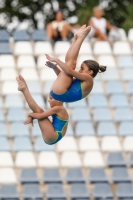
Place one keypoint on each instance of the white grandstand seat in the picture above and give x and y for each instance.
(110, 75)
(39, 99)
(6, 159)
(2, 117)
(106, 60)
(70, 159)
(82, 58)
(7, 176)
(1, 103)
(23, 48)
(84, 129)
(127, 74)
(97, 100)
(29, 74)
(128, 143)
(80, 114)
(85, 48)
(80, 104)
(8, 74)
(123, 114)
(48, 159)
(22, 143)
(13, 114)
(36, 130)
(63, 144)
(4, 144)
(7, 61)
(118, 100)
(41, 60)
(88, 143)
(26, 61)
(25, 159)
(47, 87)
(106, 128)
(61, 47)
(40, 145)
(130, 35)
(34, 87)
(105, 116)
(125, 128)
(47, 74)
(111, 143)
(121, 48)
(9, 87)
(125, 61)
(40, 48)
(97, 88)
(93, 159)
(122, 33)
(70, 131)
(13, 101)
(114, 87)
(102, 47)
(18, 129)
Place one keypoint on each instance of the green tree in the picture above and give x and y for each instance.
(118, 12)
(28, 9)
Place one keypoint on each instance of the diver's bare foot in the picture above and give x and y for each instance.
(84, 32)
(21, 83)
(79, 30)
(21, 77)
(28, 121)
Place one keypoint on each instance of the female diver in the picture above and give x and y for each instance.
(53, 131)
(69, 89)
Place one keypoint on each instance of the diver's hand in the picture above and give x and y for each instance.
(50, 64)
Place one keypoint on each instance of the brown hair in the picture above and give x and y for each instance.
(95, 67)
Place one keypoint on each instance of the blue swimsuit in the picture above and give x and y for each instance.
(58, 125)
(74, 93)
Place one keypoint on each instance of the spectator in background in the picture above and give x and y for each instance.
(99, 25)
(59, 29)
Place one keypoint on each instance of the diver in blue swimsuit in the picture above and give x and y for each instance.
(53, 131)
(72, 85)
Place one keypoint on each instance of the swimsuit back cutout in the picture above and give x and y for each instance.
(74, 93)
(58, 125)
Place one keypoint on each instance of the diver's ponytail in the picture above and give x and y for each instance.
(102, 68)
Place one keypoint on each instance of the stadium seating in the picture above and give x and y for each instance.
(51, 175)
(9, 191)
(102, 189)
(106, 128)
(94, 160)
(28, 175)
(74, 175)
(4, 35)
(115, 159)
(32, 191)
(20, 35)
(7, 61)
(5, 48)
(39, 35)
(97, 175)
